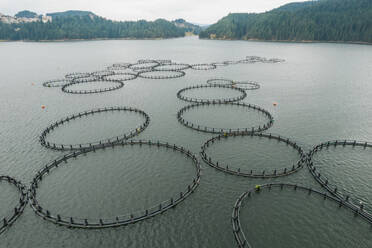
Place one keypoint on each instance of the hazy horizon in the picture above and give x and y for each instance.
(206, 12)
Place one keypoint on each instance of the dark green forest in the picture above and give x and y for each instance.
(322, 20)
(26, 13)
(86, 25)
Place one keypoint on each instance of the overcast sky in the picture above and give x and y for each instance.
(197, 11)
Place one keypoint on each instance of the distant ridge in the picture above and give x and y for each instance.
(189, 27)
(322, 20)
(77, 24)
(26, 14)
(71, 13)
(295, 6)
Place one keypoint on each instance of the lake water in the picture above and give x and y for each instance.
(323, 91)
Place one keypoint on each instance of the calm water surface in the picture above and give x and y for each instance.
(324, 92)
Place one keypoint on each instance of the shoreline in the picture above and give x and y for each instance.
(254, 40)
(297, 41)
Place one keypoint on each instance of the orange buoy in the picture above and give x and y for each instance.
(275, 104)
(42, 106)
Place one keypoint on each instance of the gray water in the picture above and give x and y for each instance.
(323, 91)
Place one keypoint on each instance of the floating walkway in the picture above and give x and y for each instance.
(7, 221)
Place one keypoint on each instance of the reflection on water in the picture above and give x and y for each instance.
(323, 92)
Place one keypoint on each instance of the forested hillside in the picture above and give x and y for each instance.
(322, 20)
(86, 25)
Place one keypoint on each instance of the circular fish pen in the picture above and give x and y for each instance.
(273, 60)
(101, 74)
(7, 221)
(220, 81)
(264, 173)
(121, 76)
(207, 129)
(246, 61)
(180, 94)
(144, 65)
(119, 70)
(85, 79)
(121, 65)
(56, 83)
(161, 74)
(203, 67)
(254, 58)
(160, 61)
(65, 147)
(247, 85)
(219, 64)
(120, 220)
(239, 233)
(328, 184)
(171, 67)
(76, 75)
(231, 62)
(66, 87)
(163, 61)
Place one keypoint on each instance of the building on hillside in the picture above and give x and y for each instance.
(46, 18)
(27, 20)
(8, 19)
(11, 19)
